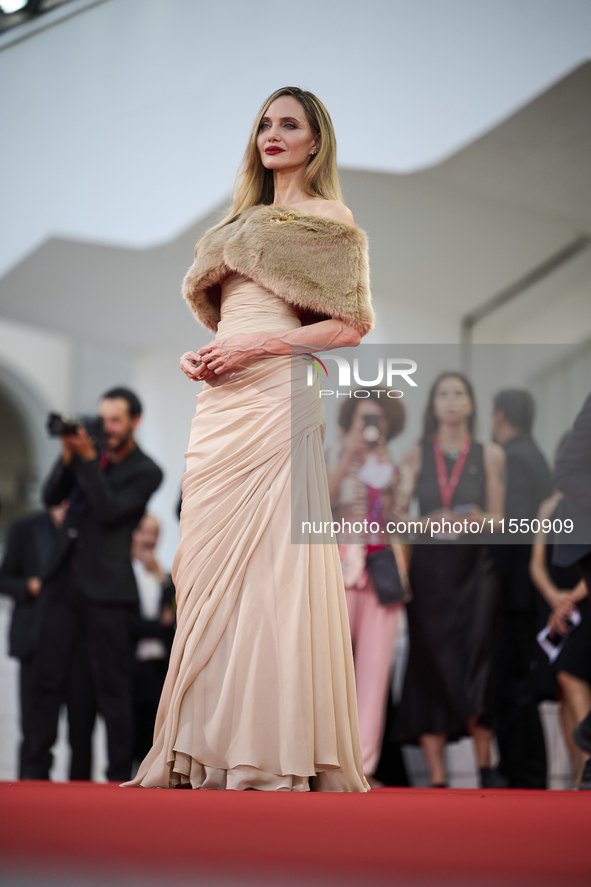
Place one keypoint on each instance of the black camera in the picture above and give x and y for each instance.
(58, 425)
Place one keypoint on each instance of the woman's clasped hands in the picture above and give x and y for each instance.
(221, 355)
(559, 620)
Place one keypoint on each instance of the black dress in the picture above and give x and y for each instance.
(545, 685)
(452, 618)
(575, 656)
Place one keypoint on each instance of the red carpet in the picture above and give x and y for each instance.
(390, 835)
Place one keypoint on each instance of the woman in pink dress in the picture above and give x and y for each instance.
(368, 489)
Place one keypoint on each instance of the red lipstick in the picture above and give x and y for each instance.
(274, 150)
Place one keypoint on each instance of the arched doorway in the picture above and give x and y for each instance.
(18, 472)
(26, 452)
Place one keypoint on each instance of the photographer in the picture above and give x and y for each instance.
(89, 587)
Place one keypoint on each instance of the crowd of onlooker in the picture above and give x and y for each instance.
(496, 591)
(498, 621)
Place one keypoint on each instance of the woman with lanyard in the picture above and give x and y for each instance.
(448, 689)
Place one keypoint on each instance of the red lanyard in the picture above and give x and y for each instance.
(447, 485)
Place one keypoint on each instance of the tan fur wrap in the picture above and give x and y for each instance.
(318, 265)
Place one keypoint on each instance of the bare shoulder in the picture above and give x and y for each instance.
(494, 457)
(332, 209)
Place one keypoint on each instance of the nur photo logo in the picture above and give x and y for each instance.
(386, 371)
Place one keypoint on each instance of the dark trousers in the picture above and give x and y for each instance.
(520, 736)
(148, 680)
(66, 616)
(26, 683)
(82, 708)
(81, 704)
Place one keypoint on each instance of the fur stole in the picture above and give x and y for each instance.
(318, 265)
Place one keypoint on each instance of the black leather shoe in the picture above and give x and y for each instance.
(585, 783)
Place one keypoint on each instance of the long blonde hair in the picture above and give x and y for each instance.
(254, 183)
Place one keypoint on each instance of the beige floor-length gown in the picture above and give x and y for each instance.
(260, 691)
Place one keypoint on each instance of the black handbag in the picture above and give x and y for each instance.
(385, 575)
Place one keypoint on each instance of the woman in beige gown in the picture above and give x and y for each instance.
(260, 692)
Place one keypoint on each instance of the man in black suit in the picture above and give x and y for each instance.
(89, 584)
(28, 547)
(28, 550)
(519, 729)
(572, 475)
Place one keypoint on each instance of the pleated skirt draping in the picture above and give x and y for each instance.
(260, 691)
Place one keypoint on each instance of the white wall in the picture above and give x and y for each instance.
(41, 358)
(169, 400)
